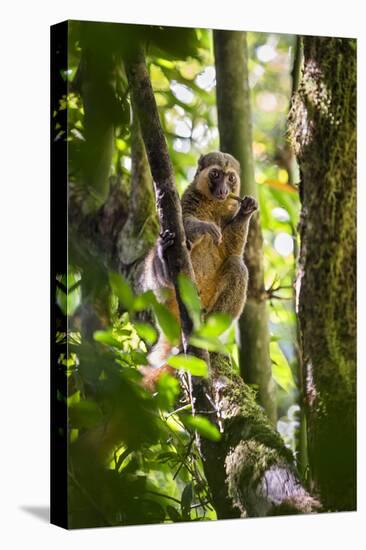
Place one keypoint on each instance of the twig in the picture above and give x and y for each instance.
(184, 408)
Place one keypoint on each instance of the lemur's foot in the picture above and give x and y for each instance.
(166, 240)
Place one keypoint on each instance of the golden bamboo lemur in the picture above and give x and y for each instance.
(216, 227)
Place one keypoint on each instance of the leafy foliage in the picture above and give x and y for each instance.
(154, 471)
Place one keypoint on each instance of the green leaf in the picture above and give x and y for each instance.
(189, 295)
(144, 301)
(210, 344)
(122, 290)
(176, 43)
(85, 414)
(190, 363)
(216, 324)
(173, 514)
(139, 358)
(168, 455)
(73, 399)
(68, 292)
(202, 425)
(106, 337)
(168, 391)
(168, 323)
(281, 370)
(186, 500)
(146, 332)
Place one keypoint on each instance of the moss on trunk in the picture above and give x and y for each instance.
(253, 469)
(323, 130)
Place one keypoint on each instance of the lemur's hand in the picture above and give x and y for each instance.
(210, 228)
(248, 205)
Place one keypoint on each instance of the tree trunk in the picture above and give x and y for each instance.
(95, 80)
(323, 129)
(250, 471)
(235, 127)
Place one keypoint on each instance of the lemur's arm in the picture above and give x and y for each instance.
(195, 229)
(235, 233)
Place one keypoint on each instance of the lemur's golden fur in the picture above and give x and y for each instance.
(216, 228)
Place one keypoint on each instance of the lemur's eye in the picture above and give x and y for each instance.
(232, 178)
(214, 173)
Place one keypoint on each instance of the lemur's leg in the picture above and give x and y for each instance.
(231, 293)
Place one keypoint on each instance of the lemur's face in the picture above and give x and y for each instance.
(218, 174)
(222, 181)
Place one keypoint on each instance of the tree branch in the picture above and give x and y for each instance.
(167, 199)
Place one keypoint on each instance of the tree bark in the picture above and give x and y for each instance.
(323, 129)
(235, 127)
(250, 472)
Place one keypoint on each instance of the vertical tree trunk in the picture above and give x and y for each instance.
(323, 128)
(95, 81)
(234, 117)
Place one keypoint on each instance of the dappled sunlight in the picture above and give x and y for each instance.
(284, 244)
(266, 53)
(267, 101)
(281, 214)
(181, 92)
(207, 79)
